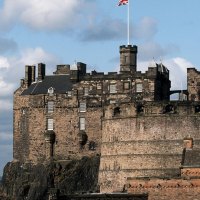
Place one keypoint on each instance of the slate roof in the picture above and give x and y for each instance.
(60, 83)
(191, 158)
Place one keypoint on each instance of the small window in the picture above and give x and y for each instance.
(126, 85)
(23, 111)
(140, 108)
(86, 91)
(99, 86)
(169, 109)
(126, 59)
(188, 143)
(82, 123)
(82, 107)
(50, 91)
(139, 87)
(113, 88)
(50, 106)
(197, 109)
(69, 93)
(116, 111)
(49, 124)
(112, 101)
(92, 145)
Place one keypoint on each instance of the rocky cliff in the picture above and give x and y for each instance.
(35, 182)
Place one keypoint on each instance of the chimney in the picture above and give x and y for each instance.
(128, 59)
(29, 75)
(41, 71)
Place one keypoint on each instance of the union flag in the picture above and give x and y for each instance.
(122, 2)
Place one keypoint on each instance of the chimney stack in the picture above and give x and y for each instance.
(29, 75)
(41, 71)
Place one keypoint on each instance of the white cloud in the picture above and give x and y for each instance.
(33, 56)
(43, 14)
(12, 68)
(6, 88)
(4, 63)
(178, 71)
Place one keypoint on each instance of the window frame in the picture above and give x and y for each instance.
(82, 107)
(50, 124)
(113, 88)
(139, 89)
(50, 107)
(82, 123)
(86, 91)
(126, 84)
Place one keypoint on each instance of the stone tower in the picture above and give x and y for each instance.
(128, 59)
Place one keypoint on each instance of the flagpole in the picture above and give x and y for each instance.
(128, 25)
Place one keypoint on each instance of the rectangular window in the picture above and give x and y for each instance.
(113, 88)
(69, 93)
(126, 85)
(139, 87)
(99, 86)
(82, 123)
(125, 59)
(50, 106)
(49, 124)
(112, 101)
(82, 107)
(86, 91)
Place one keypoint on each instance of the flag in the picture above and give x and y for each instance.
(122, 2)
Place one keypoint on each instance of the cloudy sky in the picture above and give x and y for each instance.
(91, 31)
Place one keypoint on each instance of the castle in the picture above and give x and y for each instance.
(147, 143)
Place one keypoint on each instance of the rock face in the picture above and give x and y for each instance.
(34, 182)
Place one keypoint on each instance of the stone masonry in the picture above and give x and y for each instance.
(147, 143)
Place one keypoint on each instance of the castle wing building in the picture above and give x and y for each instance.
(126, 117)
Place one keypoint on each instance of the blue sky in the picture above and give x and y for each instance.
(91, 31)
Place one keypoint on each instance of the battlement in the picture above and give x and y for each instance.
(121, 109)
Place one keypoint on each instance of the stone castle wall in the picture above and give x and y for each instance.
(193, 83)
(148, 144)
(66, 127)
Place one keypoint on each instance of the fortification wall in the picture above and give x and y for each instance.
(147, 144)
(159, 189)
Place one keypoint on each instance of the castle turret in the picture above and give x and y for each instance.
(128, 59)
